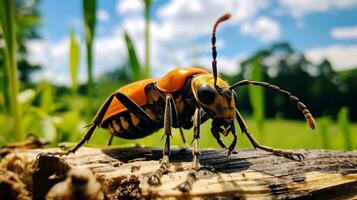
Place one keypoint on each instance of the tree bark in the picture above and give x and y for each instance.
(123, 173)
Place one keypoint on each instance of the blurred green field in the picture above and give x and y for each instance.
(59, 112)
(279, 133)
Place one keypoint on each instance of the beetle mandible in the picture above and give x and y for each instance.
(183, 98)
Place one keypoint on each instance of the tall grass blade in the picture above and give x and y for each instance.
(256, 94)
(89, 14)
(47, 101)
(74, 51)
(133, 59)
(344, 123)
(8, 29)
(147, 36)
(4, 96)
(324, 126)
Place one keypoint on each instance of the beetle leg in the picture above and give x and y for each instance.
(234, 142)
(204, 117)
(176, 118)
(96, 122)
(192, 174)
(110, 140)
(278, 152)
(154, 179)
(185, 145)
(215, 133)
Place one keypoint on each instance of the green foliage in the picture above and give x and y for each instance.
(4, 95)
(285, 134)
(312, 83)
(147, 36)
(133, 59)
(323, 124)
(27, 19)
(68, 126)
(74, 51)
(348, 85)
(38, 106)
(256, 94)
(47, 97)
(89, 14)
(343, 122)
(7, 20)
(50, 111)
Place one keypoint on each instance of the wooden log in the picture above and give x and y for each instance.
(123, 173)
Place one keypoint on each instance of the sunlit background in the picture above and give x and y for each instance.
(308, 47)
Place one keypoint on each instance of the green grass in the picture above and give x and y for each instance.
(133, 58)
(343, 122)
(89, 15)
(74, 58)
(147, 4)
(7, 26)
(256, 95)
(285, 134)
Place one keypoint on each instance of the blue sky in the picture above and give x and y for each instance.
(181, 32)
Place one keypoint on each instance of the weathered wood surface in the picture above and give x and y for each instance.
(123, 172)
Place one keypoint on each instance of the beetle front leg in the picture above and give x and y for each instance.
(192, 174)
(215, 132)
(234, 142)
(154, 179)
(278, 152)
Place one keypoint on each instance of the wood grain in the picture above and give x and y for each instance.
(249, 174)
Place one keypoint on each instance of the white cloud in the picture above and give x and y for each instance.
(129, 6)
(44, 52)
(52, 56)
(186, 19)
(174, 30)
(264, 28)
(246, 10)
(300, 8)
(36, 49)
(109, 52)
(341, 56)
(103, 15)
(344, 32)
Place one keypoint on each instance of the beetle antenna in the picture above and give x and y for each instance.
(308, 116)
(213, 41)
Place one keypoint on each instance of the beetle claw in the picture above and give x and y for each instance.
(154, 180)
(291, 155)
(228, 153)
(184, 186)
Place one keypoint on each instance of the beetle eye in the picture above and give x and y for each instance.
(206, 94)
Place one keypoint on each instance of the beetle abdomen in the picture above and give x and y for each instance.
(128, 126)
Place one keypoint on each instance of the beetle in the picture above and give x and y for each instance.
(183, 98)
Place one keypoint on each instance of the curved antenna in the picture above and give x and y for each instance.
(308, 116)
(213, 41)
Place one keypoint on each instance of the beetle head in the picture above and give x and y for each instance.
(218, 101)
